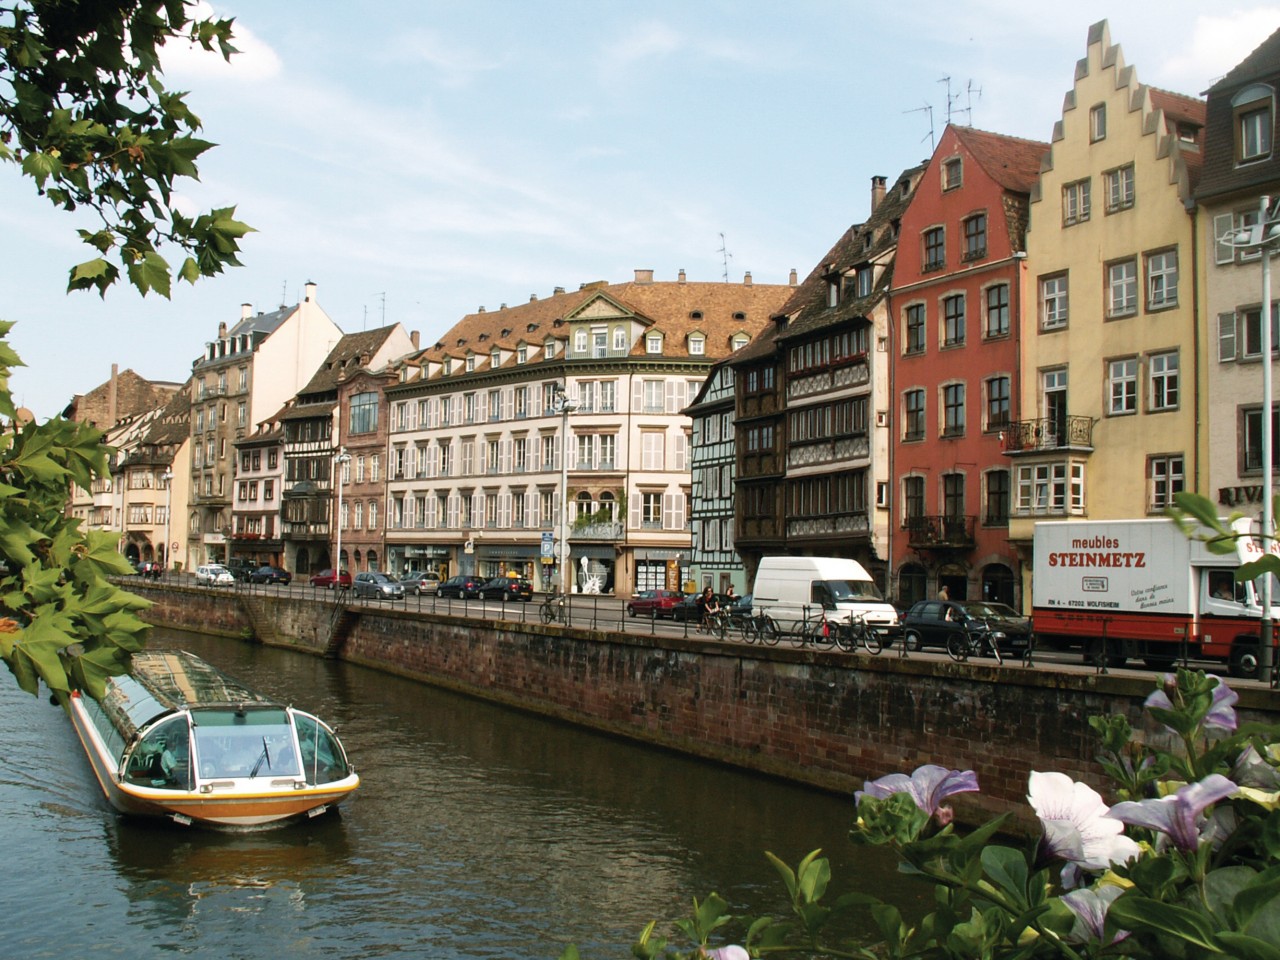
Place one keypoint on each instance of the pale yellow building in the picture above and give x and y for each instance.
(1110, 347)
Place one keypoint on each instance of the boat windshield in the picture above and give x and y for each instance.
(323, 759)
(234, 742)
(842, 590)
(162, 756)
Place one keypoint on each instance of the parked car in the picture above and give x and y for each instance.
(378, 585)
(328, 577)
(464, 587)
(507, 588)
(930, 622)
(269, 574)
(653, 603)
(241, 568)
(213, 575)
(421, 581)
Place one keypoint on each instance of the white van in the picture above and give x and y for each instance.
(786, 586)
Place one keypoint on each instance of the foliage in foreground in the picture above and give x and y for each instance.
(61, 620)
(1186, 864)
(85, 115)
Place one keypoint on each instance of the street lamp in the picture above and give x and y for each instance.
(565, 404)
(167, 477)
(340, 464)
(1264, 237)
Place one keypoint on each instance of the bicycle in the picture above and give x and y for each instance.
(962, 645)
(818, 631)
(553, 608)
(716, 624)
(760, 627)
(855, 633)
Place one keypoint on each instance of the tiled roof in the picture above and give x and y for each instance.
(174, 424)
(1178, 107)
(345, 358)
(1011, 162)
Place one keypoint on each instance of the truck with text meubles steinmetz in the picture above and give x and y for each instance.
(1143, 589)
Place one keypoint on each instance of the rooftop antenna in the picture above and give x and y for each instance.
(970, 90)
(284, 291)
(927, 108)
(364, 322)
(383, 297)
(725, 256)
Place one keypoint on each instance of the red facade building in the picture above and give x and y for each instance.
(957, 285)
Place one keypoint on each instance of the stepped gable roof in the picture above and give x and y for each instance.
(668, 307)
(1260, 64)
(1012, 162)
(174, 423)
(345, 357)
(807, 308)
(1182, 113)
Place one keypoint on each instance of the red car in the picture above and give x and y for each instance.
(327, 578)
(653, 603)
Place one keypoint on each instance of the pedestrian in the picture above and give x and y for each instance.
(943, 594)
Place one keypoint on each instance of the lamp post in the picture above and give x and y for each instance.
(167, 477)
(1264, 237)
(340, 464)
(565, 405)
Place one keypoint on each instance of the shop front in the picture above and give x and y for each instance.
(402, 558)
(502, 560)
(593, 567)
(658, 569)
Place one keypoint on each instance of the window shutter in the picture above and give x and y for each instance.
(669, 389)
(433, 413)
(1223, 226)
(504, 510)
(669, 511)
(681, 461)
(636, 500)
(1226, 337)
(637, 395)
(504, 457)
(680, 500)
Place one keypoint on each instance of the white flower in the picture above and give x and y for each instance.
(1076, 825)
(731, 952)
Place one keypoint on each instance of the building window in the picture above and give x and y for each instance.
(1163, 372)
(1075, 202)
(1122, 386)
(1122, 288)
(1098, 123)
(975, 236)
(599, 344)
(653, 343)
(913, 415)
(522, 354)
(651, 511)
(1162, 279)
(1251, 440)
(952, 174)
(697, 346)
(1119, 188)
(912, 499)
(996, 323)
(953, 410)
(997, 498)
(1252, 331)
(364, 413)
(471, 365)
(935, 248)
(953, 320)
(580, 341)
(1051, 488)
(915, 328)
(1053, 302)
(997, 389)
(1164, 479)
(1253, 109)
(620, 339)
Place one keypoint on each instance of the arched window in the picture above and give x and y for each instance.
(607, 501)
(911, 584)
(583, 505)
(998, 584)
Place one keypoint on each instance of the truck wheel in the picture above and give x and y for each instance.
(1159, 661)
(1114, 653)
(1246, 662)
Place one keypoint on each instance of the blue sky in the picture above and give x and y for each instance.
(431, 158)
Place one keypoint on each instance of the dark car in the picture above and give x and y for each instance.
(464, 587)
(653, 603)
(328, 577)
(241, 568)
(271, 574)
(377, 585)
(930, 622)
(507, 588)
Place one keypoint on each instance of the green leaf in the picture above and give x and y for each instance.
(1008, 869)
(1244, 947)
(1141, 913)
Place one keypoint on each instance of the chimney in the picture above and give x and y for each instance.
(533, 298)
(794, 279)
(481, 310)
(877, 192)
(746, 280)
(557, 291)
(222, 330)
(644, 276)
(113, 394)
(413, 338)
(680, 276)
(311, 292)
(246, 311)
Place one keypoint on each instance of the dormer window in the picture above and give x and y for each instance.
(740, 340)
(619, 339)
(833, 292)
(1253, 110)
(580, 340)
(696, 315)
(653, 343)
(697, 345)
(522, 353)
(549, 349)
(471, 362)
(448, 365)
(952, 174)
(495, 358)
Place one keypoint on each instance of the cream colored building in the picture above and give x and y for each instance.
(1110, 346)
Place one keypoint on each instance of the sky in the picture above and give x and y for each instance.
(418, 160)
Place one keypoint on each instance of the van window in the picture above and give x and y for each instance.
(820, 594)
(845, 590)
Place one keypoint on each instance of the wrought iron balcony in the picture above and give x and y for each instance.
(607, 530)
(940, 532)
(1049, 433)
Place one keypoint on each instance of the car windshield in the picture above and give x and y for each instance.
(853, 590)
(983, 610)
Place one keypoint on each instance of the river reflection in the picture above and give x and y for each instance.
(478, 832)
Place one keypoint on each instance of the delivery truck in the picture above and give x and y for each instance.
(1125, 589)
(792, 589)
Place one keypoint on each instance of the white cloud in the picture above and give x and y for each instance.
(255, 61)
(1218, 43)
(648, 41)
(455, 64)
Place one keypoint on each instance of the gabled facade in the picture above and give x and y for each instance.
(244, 376)
(257, 521)
(479, 481)
(812, 424)
(714, 562)
(1241, 166)
(1110, 424)
(957, 282)
(151, 473)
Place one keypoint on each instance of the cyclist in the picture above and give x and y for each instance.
(707, 606)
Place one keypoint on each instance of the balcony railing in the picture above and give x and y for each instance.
(1049, 433)
(597, 531)
(954, 532)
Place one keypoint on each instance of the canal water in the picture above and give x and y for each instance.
(478, 832)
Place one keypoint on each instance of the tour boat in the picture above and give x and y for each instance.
(177, 738)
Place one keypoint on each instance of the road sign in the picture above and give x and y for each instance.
(548, 545)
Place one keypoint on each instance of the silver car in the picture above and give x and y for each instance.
(378, 586)
(213, 575)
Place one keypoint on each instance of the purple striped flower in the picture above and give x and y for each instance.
(929, 786)
(1178, 815)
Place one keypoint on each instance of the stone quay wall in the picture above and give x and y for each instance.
(828, 720)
